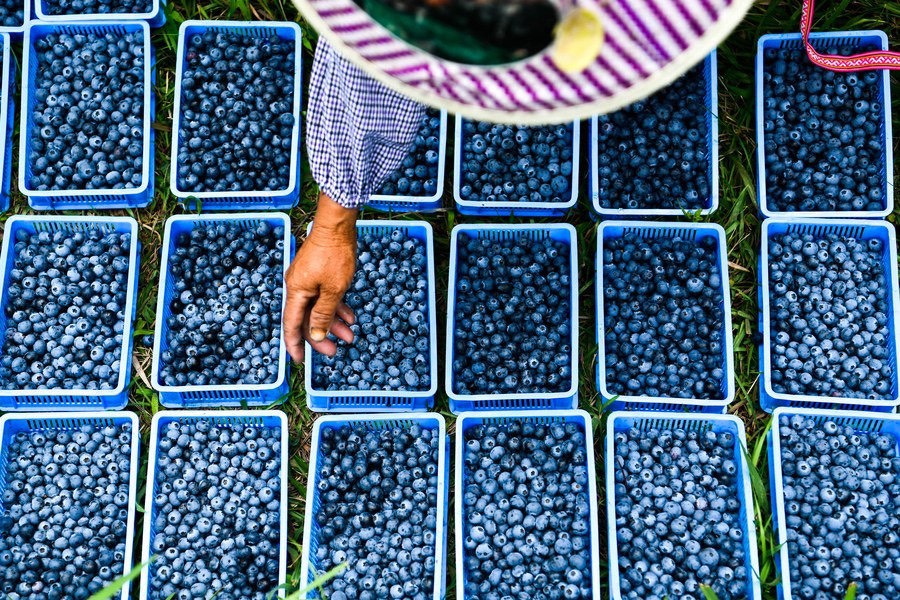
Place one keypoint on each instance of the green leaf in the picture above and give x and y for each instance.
(851, 591)
(708, 592)
(116, 586)
(319, 581)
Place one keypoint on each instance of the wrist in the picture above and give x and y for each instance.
(333, 225)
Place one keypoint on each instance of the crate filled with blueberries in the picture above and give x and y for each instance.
(87, 142)
(660, 156)
(835, 478)
(418, 184)
(512, 316)
(7, 116)
(377, 501)
(664, 317)
(68, 489)
(526, 508)
(824, 145)
(218, 339)
(69, 287)
(829, 300)
(236, 120)
(392, 363)
(526, 171)
(680, 507)
(152, 11)
(216, 519)
(14, 14)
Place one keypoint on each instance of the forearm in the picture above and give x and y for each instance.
(334, 225)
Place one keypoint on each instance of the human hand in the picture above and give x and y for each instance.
(316, 281)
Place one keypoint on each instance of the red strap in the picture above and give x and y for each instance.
(867, 61)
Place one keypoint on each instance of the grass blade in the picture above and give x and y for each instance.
(708, 592)
(319, 581)
(116, 586)
(851, 591)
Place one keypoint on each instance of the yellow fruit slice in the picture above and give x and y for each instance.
(579, 38)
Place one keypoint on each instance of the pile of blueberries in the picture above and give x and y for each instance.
(516, 164)
(224, 322)
(96, 7)
(678, 514)
(656, 152)
(526, 509)
(841, 488)
(824, 144)
(216, 527)
(418, 173)
(512, 315)
(87, 112)
(377, 491)
(828, 311)
(237, 113)
(389, 296)
(65, 520)
(65, 310)
(663, 317)
(12, 13)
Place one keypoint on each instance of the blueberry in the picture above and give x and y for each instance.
(389, 296)
(664, 320)
(65, 314)
(418, 173)
(678, 513)
(377, 510)
(823, 134)
(237, 121)
(72, 135)
(840, 489)
(224, 325)
(526, 511)
(828, 316)
(65, 509)
(656, 152)
(216, 510)
(512, 330)
(82, 7)
(505, 158)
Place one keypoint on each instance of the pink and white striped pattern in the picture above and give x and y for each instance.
(648, 44)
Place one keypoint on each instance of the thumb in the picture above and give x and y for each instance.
(322, 315)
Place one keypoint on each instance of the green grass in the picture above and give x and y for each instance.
(737, 214)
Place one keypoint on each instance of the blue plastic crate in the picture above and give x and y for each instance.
(10, 425)
(380, 400)
(245, 199)
(59, 400)
(647, 230)
(711, 204)
(567, 399)
(843, 39)
(309, 568)
(521, 209)
(7, 119)
(466, 421)
(769, 399)
(138, 197)
(155, 17)
(201, 396)
(860, 421)
(16, 31)
(623, 421)
(229, 419)
(418, 204)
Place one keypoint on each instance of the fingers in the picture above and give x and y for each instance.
(321, 317)
(345, 313)
(340, 329)
(296, 306)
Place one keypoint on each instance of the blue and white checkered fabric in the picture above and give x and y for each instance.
(358, 131)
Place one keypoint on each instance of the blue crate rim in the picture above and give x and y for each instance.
(388, 199)
(506, 416)
(713, 122)
(124, 373)
(512, 206)
(432, 335)
(719, 232)
(161, 304)
(41, 15)
(134, 464)
(891, 278)
(746, 500)
(573, 316)
(180, 415)
(294, 180)
(776, 484)
(5, 92)
(762, 197)
(43, 28)
(442, 483)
